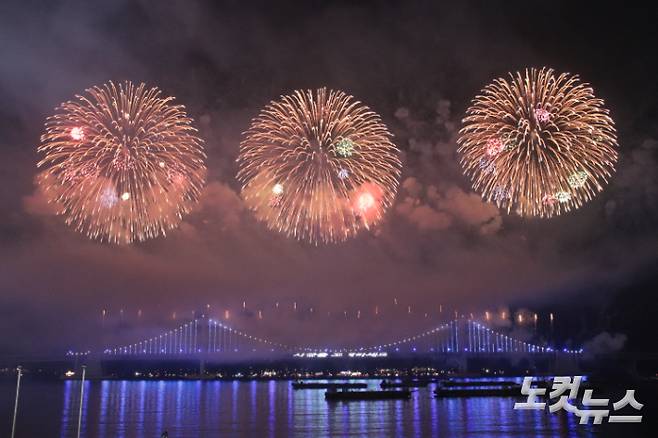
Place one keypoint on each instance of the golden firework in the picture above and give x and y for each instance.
(122, 163)
(319, 166)
(539, 143)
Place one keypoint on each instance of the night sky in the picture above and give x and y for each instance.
(595, 267)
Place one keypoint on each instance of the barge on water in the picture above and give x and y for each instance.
(475, 383)
(404, 384)
(334, 385)
(333, 395)
(479, 391)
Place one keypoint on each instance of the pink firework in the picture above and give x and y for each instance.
(494, 146)
(365, 202)
(549, 200)
(542, 115)
(77, 133)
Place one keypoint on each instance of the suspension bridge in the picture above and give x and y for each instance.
(206, 336)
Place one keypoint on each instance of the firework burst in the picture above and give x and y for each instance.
(544, 140)
(319, 166)
(121, 163)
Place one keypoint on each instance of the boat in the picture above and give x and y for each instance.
(404, 384)
(320, 385)
(491, 391)
(333, 395)
(470, 383)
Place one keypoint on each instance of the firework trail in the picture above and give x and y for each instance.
(538, 144)
(121, 163)
(318, 166)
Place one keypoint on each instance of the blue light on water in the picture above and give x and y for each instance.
(187, 409)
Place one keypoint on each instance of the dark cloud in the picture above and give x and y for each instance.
(604, 343)
(432, 209)
(441, 244)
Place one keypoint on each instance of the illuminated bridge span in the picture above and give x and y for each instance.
(210, 336)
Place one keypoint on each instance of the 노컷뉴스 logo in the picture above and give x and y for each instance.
(596, 408)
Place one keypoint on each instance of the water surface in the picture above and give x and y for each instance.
(123, 409)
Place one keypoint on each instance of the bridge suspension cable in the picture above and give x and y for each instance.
(208, 335)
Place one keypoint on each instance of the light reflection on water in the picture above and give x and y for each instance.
(141, 409)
